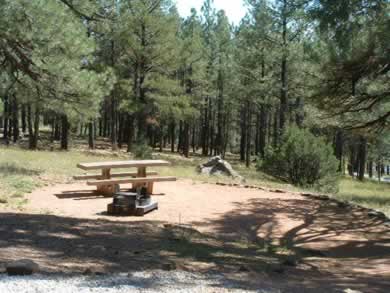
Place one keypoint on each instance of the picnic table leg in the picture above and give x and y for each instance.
(141, 173)
(106, 189)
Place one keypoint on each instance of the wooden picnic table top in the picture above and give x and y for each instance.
(122, 164)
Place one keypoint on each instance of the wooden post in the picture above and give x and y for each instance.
(106, 189)
(141, 173)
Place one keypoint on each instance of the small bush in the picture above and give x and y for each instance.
(304, 160)
(142, 151)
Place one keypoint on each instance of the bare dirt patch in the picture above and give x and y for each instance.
(282, 238)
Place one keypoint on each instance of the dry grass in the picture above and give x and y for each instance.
(370, 194)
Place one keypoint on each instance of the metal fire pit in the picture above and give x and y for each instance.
(131, 203)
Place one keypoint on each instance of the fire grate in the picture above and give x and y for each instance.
(131, 204)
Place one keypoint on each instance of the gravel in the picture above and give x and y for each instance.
(154, 281)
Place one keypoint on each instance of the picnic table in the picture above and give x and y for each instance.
(108, 183)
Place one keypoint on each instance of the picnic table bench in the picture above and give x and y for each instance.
(108, 183)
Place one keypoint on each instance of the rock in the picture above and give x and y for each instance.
(278, 191)
(22, 267)
(217, 166)
(290, 261)
(276, 268)
(377, 214)
(316, 196)
(343, 204)
(91, 271)
(243, 268)
(314, 252)
(168, 266)
(221, 183)
(322, 197)
(87, 272)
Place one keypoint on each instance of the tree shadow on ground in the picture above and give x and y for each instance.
(314, 233)
(71, 245)
(244, 239)
(115, 246)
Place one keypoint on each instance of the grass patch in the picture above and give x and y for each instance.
(22, 171)
(369, 194)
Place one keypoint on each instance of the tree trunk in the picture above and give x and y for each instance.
(276, 130)
(64, 132)
(186, 139)
(15, 119)
(362, 154)
(161, 138)
(180, 143)
(131, 132)
(263, 130)
(24, 122)
(249, 135)
(370, 168)
(6, 118)
(220, 105)
(114, 124)
(284, 72)
(205, 128)
(243, 140)
(339, 146)
(105, 122)
(173, 138)
(352, 159)
(121, 129)
(257, 134)
(379, 169)
(91, 135)
(193, 138)
(57, 129)
(30, 127)
(34, 128)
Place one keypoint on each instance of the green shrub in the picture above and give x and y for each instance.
(303, 159)
(142, 151)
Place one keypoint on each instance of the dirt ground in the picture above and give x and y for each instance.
(223, 228)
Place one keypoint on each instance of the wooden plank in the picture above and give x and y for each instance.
(116, 175)
(131, 180)
(122, 164)
(108, 190)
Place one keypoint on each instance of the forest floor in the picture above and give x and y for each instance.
(254, 237)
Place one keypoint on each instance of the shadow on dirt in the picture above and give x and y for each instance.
(243, 243)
